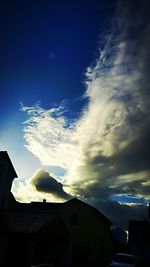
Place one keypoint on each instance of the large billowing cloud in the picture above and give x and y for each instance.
(43, 182)
(107, 150)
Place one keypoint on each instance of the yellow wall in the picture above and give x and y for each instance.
(91, 231)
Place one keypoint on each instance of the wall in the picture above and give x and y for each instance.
(88, 231)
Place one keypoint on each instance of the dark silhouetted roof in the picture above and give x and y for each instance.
(93, 209)
(42, 207)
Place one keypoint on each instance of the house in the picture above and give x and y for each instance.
(88, 240)
(139, 240)
(72, 233)
(7, 175)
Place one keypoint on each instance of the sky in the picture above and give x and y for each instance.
(74, 104)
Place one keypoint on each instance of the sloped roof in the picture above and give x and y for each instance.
(42, 207)
(5, 162)
(23, 222)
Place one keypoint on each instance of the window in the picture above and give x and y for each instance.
(74, 219)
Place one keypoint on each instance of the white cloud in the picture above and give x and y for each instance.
(25, 192)
(48, 135)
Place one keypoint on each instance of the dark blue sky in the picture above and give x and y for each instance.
(46, 47)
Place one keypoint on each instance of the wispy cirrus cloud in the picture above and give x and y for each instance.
(48, 128)
(107, 150)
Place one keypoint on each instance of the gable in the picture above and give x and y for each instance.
(80, 204)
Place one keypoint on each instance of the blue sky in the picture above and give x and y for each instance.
(46, 48)
(75, 99)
